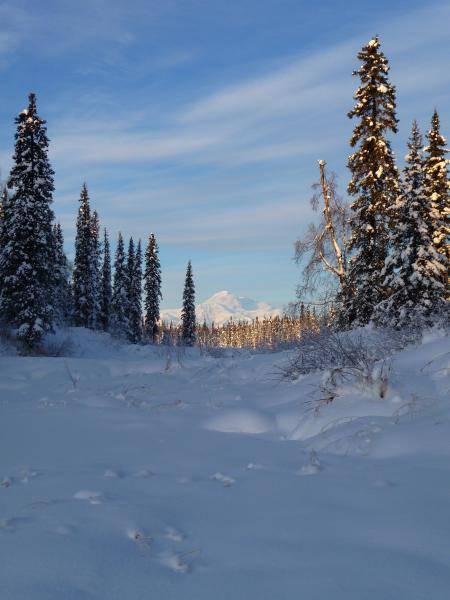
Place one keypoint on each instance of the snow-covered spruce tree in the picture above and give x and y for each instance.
(27, 257)
(152, 288)
(413, 270)
(134, 275)
(63, 292)
(106, 290)
(4, 200)
(437, 189)
(95, 266)
(129, 282)
(188, 336)
(374, 185)
(119, 302)
(83, 284)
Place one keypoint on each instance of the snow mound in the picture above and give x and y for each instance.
(241, 421)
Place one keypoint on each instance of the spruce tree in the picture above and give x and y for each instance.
(134, 279)
(83, 283)
(374, 184)
(152, 287)
(188, 335)
(437, 189)
(95, 268)
(4, 219)
(3, 198)
(27, 257)
(106, 290)
(413, 269)
(119, 301)
(129, 282)
(63, 292)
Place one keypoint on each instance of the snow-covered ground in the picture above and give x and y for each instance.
(127, 473)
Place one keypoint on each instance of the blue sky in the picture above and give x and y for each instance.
(203, 120)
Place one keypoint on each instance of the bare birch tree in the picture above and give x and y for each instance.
(323, 250)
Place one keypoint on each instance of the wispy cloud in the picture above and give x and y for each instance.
(285, 113)
(165, 144)
(294, 87)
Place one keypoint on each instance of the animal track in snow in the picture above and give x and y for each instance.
(10, 525)
(184, 479)
(7, 525)
(173, 535)
(382, 483)
(39, 504)
(313, 467)
(253, 467)
(179, 562)
(143, 473)
(112, 474)
(140, 538)
(63, 530)
(225, 480)
(91, 497)
(26, 474)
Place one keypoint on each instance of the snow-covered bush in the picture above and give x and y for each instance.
(355, 357)
(349, 350)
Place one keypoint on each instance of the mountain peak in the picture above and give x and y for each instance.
(223, 295)
(223, 306)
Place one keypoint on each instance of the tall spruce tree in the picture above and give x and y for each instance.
(188, 323)
(129, 279)
(106, 289)
(27, 257)
(119, 301)
(95, 267)
(134, 269)
(4, 204)
(374, 184)
(63, 292)
(152, 288)
(413, 269)
(437, 189)
(83, 283)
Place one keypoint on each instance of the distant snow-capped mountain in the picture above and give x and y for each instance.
(222, 307)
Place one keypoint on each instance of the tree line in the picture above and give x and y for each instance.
(38, 288)
(385, 257)
(267, 333)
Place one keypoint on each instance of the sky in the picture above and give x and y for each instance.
(202, 120)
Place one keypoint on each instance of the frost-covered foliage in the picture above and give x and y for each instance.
(437, 189)
(349, 351)
(106, 288)
(27, 254)
(414, 270)
(188, 312)
(134, 277)
(119, 301)
(374, 184)
(152, 288)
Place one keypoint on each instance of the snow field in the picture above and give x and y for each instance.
(127, 475)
